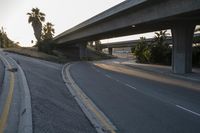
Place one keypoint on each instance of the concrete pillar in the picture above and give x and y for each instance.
(182, 34)
(83, 50)
(110, 51)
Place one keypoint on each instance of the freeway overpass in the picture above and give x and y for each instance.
(132, 43)
(140, 16)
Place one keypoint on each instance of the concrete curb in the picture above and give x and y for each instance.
(25, 124)
(98, 119)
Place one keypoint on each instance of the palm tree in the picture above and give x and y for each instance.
(98, 45)
(48, 31)
(160, 37)
(36, 18)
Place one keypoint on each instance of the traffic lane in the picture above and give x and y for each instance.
(2, 69)
(153, 85)
(130, 110)
(53, 107)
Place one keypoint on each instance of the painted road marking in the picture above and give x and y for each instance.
(95, 69)
(6, 108)
(130, 86)
(195, 113)
(108, 76)
(96, 116)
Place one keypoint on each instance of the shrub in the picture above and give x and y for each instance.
(142, 51)
(46, 46)
(161, 54)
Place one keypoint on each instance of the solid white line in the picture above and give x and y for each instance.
(130, 86)
(188, 110)
(108, 76)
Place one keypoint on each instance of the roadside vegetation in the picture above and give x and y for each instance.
(44, 48)
(94, 51)
(43, 32)
(159, 51)
(5, 41)
(33, 52)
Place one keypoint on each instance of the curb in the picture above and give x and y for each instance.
(98, 119)
(25, 123)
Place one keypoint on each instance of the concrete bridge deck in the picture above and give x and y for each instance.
(140, 16)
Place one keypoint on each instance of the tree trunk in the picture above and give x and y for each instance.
(37, 27)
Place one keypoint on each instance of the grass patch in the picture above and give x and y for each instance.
(33, 52)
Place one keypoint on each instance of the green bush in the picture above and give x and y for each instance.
(157, 52)
(161, 54)
(46, 46)
(142, 51)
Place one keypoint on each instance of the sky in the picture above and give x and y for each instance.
(64, 14)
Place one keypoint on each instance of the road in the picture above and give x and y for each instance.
(140, 102)
(54, 110)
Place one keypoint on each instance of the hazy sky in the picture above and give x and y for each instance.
(64, 14)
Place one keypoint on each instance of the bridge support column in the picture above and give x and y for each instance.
(83, 50)
(110, 51)
(182, 34)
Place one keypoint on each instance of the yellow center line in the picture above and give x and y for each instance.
(91, 107)
(100, 117)
(6, 109)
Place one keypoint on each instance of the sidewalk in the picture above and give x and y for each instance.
(166, 70)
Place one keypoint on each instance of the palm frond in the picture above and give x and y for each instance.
(42, 19)
(29, 14)
(42, 14)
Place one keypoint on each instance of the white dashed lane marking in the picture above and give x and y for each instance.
(130, 86)
(195, 113)
(108, 76)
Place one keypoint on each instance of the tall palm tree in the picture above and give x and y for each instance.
(36, 18)
(160, 37)
(48, 31)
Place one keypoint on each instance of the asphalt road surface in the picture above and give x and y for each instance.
(140, 102)
(53, 107)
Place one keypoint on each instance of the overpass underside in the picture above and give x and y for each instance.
(145, 16)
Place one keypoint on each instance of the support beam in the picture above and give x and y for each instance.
(110, 51)
(182, 34)
(82, 50)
